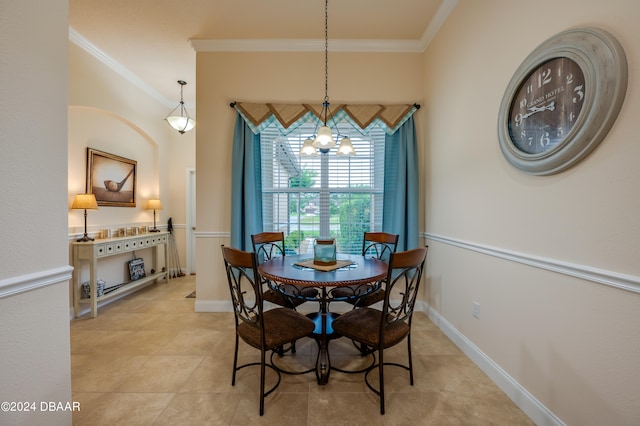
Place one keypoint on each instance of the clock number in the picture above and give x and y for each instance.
(529, 89)
(569, 78)
(544, 139)
(544, 77)
(523, 103)
(518, 119)
(572, 116)
(579, 94)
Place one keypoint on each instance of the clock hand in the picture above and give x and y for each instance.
(535, 110)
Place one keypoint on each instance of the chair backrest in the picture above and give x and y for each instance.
(379, 245)
(246, 294)
(267, 245)
(402, 284)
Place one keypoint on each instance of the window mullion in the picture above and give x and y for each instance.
(324, 197)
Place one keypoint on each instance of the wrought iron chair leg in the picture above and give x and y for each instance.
(410, 359)
(235, 363)
(262, 380)
(381, 375)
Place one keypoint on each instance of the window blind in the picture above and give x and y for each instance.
(326, 195)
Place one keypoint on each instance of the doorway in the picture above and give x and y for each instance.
(191, 221)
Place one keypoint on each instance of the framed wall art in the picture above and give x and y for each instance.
(111, 178)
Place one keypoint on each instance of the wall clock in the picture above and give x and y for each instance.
(562, 101)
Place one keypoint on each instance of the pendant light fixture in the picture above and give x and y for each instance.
(323, 140)
(183, 122)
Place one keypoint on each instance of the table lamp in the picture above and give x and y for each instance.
(154, 204)
(85, 202)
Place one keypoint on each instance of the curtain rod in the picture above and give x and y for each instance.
(233, 105)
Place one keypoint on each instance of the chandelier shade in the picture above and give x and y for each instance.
(324, 138)
(346, 147)
(308, 148)
(179, 118)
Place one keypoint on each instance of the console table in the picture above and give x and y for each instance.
(92, 251)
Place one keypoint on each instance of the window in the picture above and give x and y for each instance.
(325, 195)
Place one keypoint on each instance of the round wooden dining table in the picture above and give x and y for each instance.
(361, 270)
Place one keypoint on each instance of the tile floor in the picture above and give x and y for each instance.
(149, 359)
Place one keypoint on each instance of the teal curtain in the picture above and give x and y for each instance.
(246, 186)
(400, 208)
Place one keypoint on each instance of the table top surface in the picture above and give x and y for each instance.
(364, 270)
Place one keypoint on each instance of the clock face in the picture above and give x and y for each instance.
(546, 106)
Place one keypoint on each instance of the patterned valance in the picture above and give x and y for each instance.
(289, 117)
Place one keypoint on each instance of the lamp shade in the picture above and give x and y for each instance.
(308, 148)
(324, 139)
(153, 204)
(346, 147)
(180, 123)
(85, 202)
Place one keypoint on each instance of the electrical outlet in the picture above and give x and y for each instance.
(476, 310)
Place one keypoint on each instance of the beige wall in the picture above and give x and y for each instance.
(277, 77)
(574, 344)
(34, 309)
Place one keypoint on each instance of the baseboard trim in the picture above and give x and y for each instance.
(533, 408)
(213, 306)
(601, 276)
(23, 283)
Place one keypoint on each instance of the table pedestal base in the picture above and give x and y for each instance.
(323, 333)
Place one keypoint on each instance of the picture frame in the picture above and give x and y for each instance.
(111, 178)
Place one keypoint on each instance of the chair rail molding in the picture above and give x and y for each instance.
(600, 276)
(35, 280)
(203, 234)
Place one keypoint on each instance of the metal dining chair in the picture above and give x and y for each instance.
(267, 245)
(379, 245)
(382, 329)
(264, 330)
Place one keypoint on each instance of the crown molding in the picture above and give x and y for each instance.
(305, 45)
(338, 45)
(76, 38)
(443, 12)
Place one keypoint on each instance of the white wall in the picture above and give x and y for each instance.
(573, 343)
(34, 313)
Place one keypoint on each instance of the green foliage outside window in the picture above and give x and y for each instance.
(355, 219)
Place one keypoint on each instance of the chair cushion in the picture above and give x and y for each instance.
(348, 294)
(276, 297)
(372, 298)
(363, 325)
(281, 325)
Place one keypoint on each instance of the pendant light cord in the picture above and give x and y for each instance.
(326, 60)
